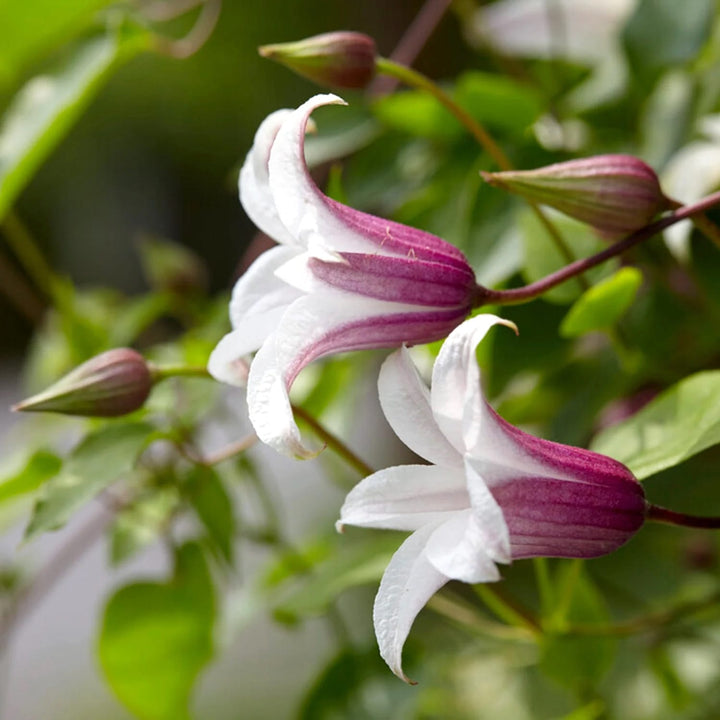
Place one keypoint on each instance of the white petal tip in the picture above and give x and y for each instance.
(340, 526)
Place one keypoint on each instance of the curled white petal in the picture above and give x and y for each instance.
(255, 193)
(299, 203)
(405, 400)
(405, 497)
(456, 378)
(408, 583)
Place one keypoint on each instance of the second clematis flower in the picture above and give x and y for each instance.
(492, 494)
(339, 280)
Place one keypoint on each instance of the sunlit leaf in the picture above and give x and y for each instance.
(679, 423)
(100, 459)
(603, 304)
(31, 28)
(48, 105)
(155, 639)
(41, 466)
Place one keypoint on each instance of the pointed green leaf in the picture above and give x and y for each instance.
(214, 509)
(679, 423)
(603, 304)
(100, 459)
(156, 638)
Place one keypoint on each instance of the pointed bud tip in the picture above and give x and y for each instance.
(111, 384)
(341, 59)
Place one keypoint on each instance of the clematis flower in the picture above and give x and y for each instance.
(492, 494)
(339, 280)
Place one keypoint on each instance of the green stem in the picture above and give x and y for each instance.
(333, 442)
(545, 589)
(418, 80)
(506, 610)
(163, 372)
(29, 255)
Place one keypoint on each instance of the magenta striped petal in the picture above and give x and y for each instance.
(403, 280)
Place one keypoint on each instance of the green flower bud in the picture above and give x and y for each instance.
(337, 59)
(616, 194)
(111, 384)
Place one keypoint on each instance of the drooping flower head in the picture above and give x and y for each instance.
(340, 280)
(492, 494)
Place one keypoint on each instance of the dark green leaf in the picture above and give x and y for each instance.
(603, 304)
(156, 638)
(678, 424)
(100, 459)
(575, 661)
(683, 27)
(214, 508)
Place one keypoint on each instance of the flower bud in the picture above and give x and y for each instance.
(616, 194)
(337, 59)
(111, 384)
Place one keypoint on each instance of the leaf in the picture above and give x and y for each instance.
(497, 101)
(23, 37)
(417, 113)
(683, 27)
(576, 661)
(138, 525)
(359, 564)
(101, 458)
(602, 305)
(214, 509)
(679, 423)
(48, 105)
(543, 257)
(155, 638)
(41, 466)
(356, 685)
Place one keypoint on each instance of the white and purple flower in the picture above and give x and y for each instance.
(339, 280)
(492, 494)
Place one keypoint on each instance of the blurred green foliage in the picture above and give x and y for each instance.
(103, 139)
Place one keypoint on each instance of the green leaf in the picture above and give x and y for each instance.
(356, 685)
(575, 661)
(214, 509)
(542, 256)
(141, 523)
(31, 28)
(602, 305)
(417, 113)
(353, 565)
(155, 639)
(42, 466)
(100, 459)
(498, 102)
(679, 423)
(48, 105)
(683, 27)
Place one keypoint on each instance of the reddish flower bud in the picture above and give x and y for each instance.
(616, 194)
(111, 384)
(338, 59)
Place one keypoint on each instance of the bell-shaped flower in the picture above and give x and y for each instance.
(339, 280)
(492, 494)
